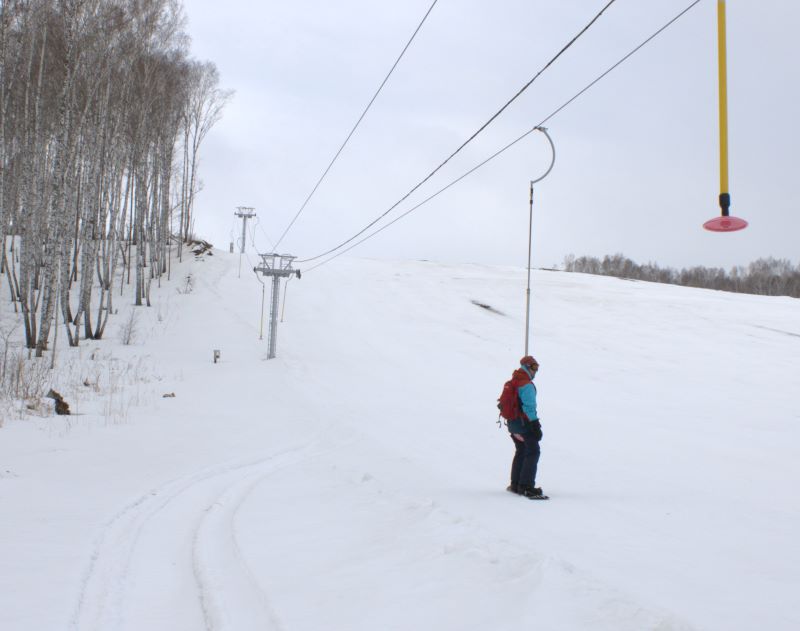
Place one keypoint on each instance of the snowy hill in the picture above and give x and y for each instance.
(357, 481)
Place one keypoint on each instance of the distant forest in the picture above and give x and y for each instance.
(765, 276)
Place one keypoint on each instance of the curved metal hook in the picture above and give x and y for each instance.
(553, 148)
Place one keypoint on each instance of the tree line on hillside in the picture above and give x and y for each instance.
(102, 114)
(765, 276)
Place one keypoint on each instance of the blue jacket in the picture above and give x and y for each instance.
(522, 378)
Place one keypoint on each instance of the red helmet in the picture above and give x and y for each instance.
(529, 362)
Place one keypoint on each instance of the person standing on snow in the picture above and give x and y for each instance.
(526, 431)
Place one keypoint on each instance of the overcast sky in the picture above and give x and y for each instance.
(637, 167)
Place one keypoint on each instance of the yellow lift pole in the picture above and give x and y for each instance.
(723, 108)
(725, 222)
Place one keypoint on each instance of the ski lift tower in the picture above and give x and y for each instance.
(277, 266)
(245, 213)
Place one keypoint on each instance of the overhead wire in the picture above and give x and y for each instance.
(266, 236)
(358, 122)
(263, 232)
(513, 142)
(247, 256)
(468, 140)
(253, 237)
(252, 267)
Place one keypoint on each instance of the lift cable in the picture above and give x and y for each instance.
(358, 122)
(466, 142)
(263, 232)
(513, 142)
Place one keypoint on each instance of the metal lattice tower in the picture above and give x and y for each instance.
(277, 266)
(245, 212)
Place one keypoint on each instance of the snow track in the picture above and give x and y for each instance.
(201, 505)
(229, 594)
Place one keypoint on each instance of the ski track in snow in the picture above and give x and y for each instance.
(229, 594)
(217, 561)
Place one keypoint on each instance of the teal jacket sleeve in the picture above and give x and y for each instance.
(527, 396)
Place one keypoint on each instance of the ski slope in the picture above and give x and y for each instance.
(357, 481)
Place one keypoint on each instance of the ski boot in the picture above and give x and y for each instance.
(529, 491)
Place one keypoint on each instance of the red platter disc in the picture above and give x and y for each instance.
(725, 224)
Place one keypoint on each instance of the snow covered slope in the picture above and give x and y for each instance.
(357, 481)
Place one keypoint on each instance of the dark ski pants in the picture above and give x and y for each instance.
(526, 459)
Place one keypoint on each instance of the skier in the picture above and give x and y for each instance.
(526, 432)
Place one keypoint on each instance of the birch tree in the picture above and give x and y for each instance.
(97, 99)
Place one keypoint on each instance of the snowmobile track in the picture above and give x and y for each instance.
(100, 603)
(229, 594)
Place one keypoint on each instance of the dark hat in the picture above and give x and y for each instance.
(529, 362)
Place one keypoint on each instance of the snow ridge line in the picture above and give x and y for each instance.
(99, 604)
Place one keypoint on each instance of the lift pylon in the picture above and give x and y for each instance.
(277, 266)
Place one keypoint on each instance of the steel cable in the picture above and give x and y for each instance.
(358, 122)
(509, 145)
(469, 140)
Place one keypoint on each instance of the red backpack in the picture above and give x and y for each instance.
(508, 403)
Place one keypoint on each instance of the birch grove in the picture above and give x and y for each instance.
(102, 113)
